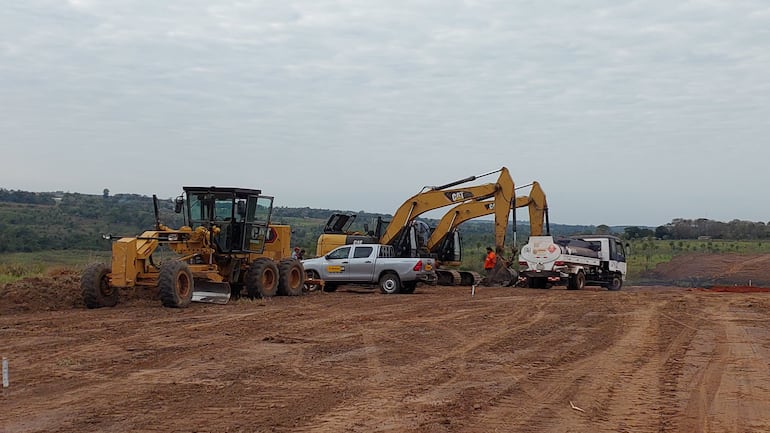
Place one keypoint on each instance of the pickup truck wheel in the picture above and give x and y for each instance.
(330, 287)
(312, 275)
(389, 283)
(615, 283)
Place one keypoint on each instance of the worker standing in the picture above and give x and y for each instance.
(490, 261)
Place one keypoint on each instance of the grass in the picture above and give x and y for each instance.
(643, 255)
(15, 266)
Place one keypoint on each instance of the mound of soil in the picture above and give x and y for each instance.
(59, 289)
(714, 269)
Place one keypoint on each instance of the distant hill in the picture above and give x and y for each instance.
(32, 221)
(35, 221)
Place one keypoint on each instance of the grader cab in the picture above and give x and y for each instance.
(226, 246)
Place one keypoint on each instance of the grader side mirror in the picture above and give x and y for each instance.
(178, 204)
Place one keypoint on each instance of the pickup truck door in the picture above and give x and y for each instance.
(337, 262)
(361, 266)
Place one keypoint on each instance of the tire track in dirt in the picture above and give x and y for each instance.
(392, 390)
(726, 397)
(591, 381)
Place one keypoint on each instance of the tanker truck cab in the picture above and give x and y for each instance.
(573, 262)
(611, 252)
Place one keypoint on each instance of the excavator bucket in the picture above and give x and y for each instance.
(501, 275)
(211, 292)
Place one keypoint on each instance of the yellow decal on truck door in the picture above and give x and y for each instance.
(335, 269)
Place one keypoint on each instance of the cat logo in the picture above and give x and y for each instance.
(456, 196)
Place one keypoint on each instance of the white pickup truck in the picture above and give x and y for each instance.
(574, 262)
(370, 264)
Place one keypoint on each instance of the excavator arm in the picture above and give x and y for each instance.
(535, 202)
(538, 209)
(458, 215)
(437, 197)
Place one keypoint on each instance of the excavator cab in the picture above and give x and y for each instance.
(339, 223)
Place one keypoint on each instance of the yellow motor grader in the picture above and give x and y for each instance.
(226, 245)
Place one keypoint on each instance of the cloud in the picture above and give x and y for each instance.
(646, 107)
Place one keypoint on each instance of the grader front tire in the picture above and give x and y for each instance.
(175, 283)
(95, 286)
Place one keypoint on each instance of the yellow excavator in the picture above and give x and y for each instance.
(408, 236)
(445, 242)
(226, 245)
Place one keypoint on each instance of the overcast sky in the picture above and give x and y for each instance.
(626, 112)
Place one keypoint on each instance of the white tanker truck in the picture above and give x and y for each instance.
(573, 262)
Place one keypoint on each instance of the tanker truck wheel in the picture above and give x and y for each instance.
(577, 281)
(175, 284)
(291, 277)
(615, 283)
(95, 286)
(262, 279)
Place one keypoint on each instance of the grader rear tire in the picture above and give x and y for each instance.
(95, 286)
(175, 284)
(291, 278)
(262, 279)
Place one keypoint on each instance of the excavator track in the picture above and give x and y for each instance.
(470, 278)
(448, 277)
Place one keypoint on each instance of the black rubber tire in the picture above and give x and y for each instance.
(95, 286)
(579, 281)
(571, 283)
(390, 284)
(291, 277)
(616, 282)
(409, 287)
(311, 275)
(262, 279)
(175, 284)
(537, 282)
(330, 287)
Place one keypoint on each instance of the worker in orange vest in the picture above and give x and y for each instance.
(490, 261)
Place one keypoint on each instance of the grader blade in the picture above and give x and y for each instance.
(210, 292)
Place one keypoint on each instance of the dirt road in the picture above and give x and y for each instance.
(507, 360)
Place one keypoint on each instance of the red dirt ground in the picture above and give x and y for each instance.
(645, 359)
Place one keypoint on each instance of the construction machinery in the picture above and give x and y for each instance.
(445, 242)
(337, 232)
(226, 245)
(410, 237)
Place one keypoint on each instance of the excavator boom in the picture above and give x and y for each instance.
(535, 202)
(538, 209)
(437, 197)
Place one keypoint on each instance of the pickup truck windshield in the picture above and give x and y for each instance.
(341, 253)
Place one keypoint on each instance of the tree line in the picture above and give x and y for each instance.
(32, 221)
